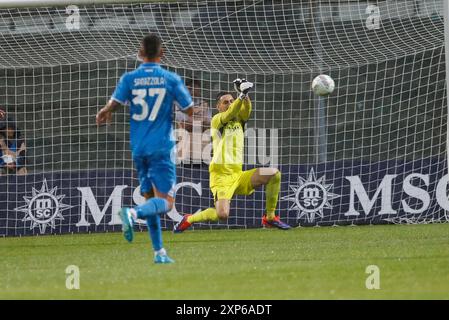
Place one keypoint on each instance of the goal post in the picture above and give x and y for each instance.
(11, 4)
(446, 47)
(372, 152)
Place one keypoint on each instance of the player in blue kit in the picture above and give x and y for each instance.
(150, 92)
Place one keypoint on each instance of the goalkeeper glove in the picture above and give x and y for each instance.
(242, 86)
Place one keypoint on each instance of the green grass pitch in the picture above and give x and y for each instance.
(304, 263)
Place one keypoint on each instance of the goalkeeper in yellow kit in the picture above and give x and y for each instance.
(226, 175)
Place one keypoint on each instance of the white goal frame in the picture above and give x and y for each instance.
(446, 45)
(285, 85)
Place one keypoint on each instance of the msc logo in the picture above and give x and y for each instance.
(43, 207)
(311, 196)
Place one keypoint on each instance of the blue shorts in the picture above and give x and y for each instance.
(156, 170)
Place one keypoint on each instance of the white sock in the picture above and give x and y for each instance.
(133, 213)
(161, 252)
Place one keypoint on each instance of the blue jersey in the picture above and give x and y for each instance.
(150, 91)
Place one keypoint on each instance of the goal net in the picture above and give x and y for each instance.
(372, 152)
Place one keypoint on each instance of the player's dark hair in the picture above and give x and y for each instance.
(223, 93)
(151, 45)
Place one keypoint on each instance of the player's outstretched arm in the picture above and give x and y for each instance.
(245, 111)
(243, 86)
(105, 113)
(120, 96)
(232, 111)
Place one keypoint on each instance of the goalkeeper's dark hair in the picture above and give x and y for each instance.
(223, 93)
(151, 45)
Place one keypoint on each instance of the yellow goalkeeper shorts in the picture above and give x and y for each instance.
(239, 183)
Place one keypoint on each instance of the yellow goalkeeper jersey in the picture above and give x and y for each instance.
(227, 129)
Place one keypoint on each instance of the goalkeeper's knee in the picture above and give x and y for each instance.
(223, 212)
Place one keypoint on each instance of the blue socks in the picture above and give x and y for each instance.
(154, 229)
(152, 207)
(151, 211)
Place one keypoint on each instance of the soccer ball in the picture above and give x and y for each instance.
(323, 85)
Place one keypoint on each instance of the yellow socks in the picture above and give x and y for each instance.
(271, 195)
(209, 214)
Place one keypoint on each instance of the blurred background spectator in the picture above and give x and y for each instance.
(190, 150)
(12, 147)
(2, 115)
